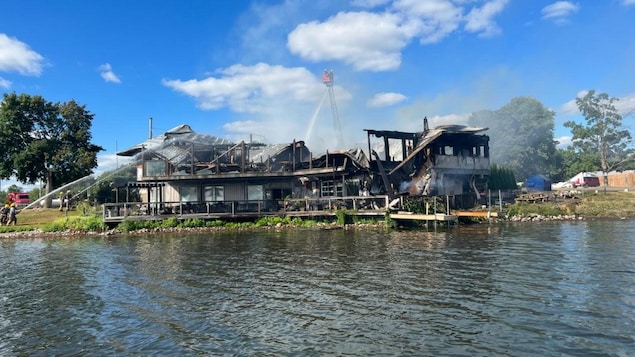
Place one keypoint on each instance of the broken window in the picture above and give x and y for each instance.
(214, 193)
(332, 189)
(255, 193)
(189, 193)
(155, 168)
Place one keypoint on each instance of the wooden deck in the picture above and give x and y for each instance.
(362, 207)
(372, 207)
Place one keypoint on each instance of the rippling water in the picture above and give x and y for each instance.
(530, 290)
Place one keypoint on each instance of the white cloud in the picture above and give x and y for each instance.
(628, 2)
(251, 89)
(373, 41)
(626, 105)
(570, 108)
(481, 19)
(431, 20)
(276, 102)
(365, 40)
(107, 73)
(16, 56)
(559, 11)
(385, 99)
(243, 128)
(564, 141)
(4, 83)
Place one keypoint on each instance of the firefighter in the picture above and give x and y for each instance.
(4, 213)
(12, 215)
(67, 200)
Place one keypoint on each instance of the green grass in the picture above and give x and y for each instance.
(612, 204)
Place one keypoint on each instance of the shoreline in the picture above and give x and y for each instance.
(38, 233)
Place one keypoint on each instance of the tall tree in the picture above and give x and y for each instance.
(572, 162)
(521, 136)
(45, 141)
(602, 135)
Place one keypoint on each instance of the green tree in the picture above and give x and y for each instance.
(574, 162)
(14, 188)
(602, 135)
(45, 141)
(35, 193)
(501, 178)
(521, 136)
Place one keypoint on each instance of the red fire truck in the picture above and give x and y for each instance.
(20, 199)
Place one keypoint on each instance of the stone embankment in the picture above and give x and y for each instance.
(541, 218)
(39, 233)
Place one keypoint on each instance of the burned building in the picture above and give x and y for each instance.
(182, 166)
(449, 160)
(208, 173)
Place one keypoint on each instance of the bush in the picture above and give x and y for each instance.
(76, 223)
(193, 223)
(527, 209)
(389, 222)
(86, 209)
(215, 223)
(343, 217)
(129, 226)
(271, 221)
(171, 222)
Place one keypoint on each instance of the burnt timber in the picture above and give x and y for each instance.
(184, 174)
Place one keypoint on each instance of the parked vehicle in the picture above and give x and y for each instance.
(585, 180)
(20, 199)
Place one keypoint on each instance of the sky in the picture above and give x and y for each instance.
(252, 70)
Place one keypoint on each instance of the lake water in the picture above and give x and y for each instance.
(565, 288)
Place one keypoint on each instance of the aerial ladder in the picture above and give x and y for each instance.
(327, 79)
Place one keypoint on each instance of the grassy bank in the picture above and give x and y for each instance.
(588, 205)
(88, 220)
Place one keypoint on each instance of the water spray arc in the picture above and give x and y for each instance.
(79, 186)
(309, 131)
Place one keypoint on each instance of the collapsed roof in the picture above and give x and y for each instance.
(182, 146)
(178, 146)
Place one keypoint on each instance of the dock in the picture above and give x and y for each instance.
(442, 217)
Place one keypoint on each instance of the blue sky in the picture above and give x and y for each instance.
(240, 68)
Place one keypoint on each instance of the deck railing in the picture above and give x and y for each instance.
(158, 210)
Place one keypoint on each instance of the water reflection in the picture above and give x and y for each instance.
(561, 288)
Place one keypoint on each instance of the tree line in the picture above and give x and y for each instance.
(522, 138)
(43, 141)
(51, 142)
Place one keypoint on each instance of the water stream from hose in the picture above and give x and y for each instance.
(79, 186)
(309, 131)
